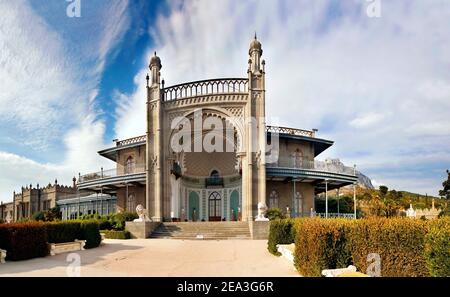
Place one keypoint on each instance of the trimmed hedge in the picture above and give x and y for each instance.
(400, 242)
(437, 247)
(407, 247)
(321, 244)
(23, 241)
(281, 232)
(59, 232)
(113, 234)
(91, 233)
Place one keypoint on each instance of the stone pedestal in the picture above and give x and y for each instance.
(141, 229)
(259, 229)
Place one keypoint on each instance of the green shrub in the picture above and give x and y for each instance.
(68, 231)
(113, 234)
(119, 219)
(91, 233)
(437, 247)
(2, 221)
(281, 232)
(321, 244)
(112, 221)
(104, 224)
(38, 216)
(274, 214)
(399, 242)
(24, 240)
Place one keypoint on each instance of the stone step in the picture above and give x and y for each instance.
(202, 230)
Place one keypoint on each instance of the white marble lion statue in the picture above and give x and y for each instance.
(142, 213)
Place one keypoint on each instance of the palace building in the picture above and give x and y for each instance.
(209, 155)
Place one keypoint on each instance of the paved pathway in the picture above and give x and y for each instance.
(162, 257)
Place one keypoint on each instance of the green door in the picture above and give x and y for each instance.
(234, 205)
(194, 205)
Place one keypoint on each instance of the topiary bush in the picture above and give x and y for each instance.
(437, 247)
(58, 232)
(113, 234)
(91, 233)
(400, 242)
(281, 232)
(274, 214)
(321, 244)
(23, 240)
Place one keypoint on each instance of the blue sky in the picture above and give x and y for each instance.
(379, 87)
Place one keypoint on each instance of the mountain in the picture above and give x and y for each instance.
(335, 165)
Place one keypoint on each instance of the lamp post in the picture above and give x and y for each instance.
(337, 192)
(326, 198)
(354, 192)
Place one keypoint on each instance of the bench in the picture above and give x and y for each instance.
(349, 271)
(65, 247)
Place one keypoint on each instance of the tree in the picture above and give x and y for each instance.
(383, 190)
(445, 193)
(446, 184)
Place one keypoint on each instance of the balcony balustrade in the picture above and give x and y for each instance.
(108, 173)
(206, 87)
(304, 163)
(291, 131)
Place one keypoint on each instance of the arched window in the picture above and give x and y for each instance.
(131, 205)
(215, 173)
(298, 204)
(129, 165)
(273, 199)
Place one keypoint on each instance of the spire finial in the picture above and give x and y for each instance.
(155, 53)
(255, 36)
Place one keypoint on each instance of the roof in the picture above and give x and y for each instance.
(111, 153)
(319, 144)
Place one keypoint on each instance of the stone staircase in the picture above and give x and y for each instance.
(203, 230)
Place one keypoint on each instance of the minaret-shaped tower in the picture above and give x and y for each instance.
(255, 178)
(154, 141)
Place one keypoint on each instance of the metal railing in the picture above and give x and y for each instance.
(335, 215)
(292, 131)
(131, 140)
(108, 173)
(305, 163)
(206, 87)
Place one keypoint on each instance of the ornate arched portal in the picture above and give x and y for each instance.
(199, 144)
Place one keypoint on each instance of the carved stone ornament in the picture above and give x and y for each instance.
(262, 208)
(142, 213)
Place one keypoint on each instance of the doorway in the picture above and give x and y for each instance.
(215, 207)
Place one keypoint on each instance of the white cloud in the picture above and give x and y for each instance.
(131, 110)
(366, 120)
(377, 86)
(49, 89)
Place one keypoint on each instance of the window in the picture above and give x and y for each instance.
(129, 165)
(273, 199)
(298, 204)
(130, 206)
(298, 159)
